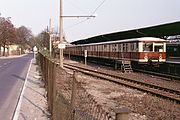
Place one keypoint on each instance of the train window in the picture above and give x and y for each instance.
(105, 46)
(132, 46)
(83, 48)
(114, 47)
(110, 47)
(102, 47)
(95, 48)
(99, 47)
(137, 45)
(124, 47)
(158, 48)
(148, 47)
(118, 47)
(92, 48)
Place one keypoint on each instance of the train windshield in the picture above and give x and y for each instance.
(148, 47)
(158, 48)
(153, 47)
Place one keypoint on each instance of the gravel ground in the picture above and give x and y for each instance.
(171, 84)
(34, 103)
(143, 106)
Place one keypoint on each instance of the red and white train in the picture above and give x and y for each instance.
(140, 50)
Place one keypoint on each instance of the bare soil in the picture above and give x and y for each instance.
(143, 106)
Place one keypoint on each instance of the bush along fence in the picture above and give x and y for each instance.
(68, 100)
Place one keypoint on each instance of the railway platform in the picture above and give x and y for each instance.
(173, 60)
(172, 66)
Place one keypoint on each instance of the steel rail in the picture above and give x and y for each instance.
(158, 74)
(163, 92)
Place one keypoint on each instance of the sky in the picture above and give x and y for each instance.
(112, 15)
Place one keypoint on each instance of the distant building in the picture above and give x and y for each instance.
(55, 42)
(10, 50)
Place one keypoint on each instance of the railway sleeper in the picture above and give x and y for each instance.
(152, 90)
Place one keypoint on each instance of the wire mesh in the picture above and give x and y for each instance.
(67, 98)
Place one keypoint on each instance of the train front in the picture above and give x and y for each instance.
(152, 51)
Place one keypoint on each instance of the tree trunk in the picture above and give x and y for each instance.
(4, 48)
(8, 50)
(0, 50)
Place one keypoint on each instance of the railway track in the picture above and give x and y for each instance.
(163, 92)
(158, 74)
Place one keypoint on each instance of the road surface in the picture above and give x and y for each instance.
(13, 73)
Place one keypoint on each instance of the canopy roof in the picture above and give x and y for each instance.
(159, 31)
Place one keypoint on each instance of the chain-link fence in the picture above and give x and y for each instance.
(68, 100)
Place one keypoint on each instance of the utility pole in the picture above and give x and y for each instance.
(61, 34)
(61, 31)
(50, 41)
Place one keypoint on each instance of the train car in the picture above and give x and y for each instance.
(139, 50)
(173, 50)
(173, 47)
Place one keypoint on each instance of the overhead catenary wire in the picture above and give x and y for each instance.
(75, 6)
(87, 17)
(98, 7)
(84, 20)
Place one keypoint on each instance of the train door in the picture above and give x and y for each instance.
(114, 51)
(119, 50)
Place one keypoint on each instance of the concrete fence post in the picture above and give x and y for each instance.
(122, 113)
(55, 66)
(73, 95)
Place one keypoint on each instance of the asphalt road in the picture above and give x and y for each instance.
(13, 72)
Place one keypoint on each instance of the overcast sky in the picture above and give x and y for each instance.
(112, 15)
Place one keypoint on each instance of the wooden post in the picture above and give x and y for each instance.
(61, 34)
(73, 95)
(55, 66)
(50, 40)
(122, 113)
(69, 55)
(85, 57)
(115, 66)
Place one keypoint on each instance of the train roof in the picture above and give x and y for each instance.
(155, 31)
(142, 39)
(150, 39)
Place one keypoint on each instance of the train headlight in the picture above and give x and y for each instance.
(146, 58)
(160, 56)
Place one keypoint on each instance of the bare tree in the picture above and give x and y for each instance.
(24, 37)
(7, 33)
(42, 40)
